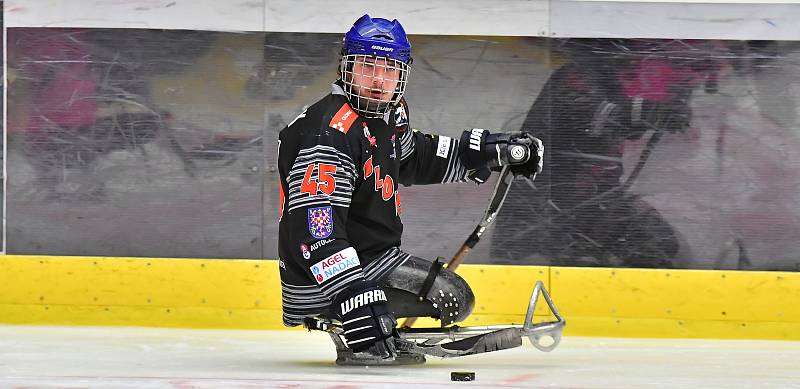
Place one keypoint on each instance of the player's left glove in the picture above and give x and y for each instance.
(481, 151)
(366, 320)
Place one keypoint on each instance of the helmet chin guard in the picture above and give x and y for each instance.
(376, 55)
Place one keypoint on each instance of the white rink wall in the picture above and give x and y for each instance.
(775, 20)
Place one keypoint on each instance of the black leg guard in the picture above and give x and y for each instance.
(447, 298)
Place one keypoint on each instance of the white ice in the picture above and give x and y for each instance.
(121, 358)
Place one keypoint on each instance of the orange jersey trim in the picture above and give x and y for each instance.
(343, 119)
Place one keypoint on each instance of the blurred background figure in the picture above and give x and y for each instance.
(71, 105)
(580, 211)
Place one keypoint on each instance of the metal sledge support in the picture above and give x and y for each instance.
(472, 340)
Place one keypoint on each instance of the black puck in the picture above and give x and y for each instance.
(462, 376)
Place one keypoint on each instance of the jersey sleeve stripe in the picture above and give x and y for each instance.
(335, 286)
(456, 171)
(406, 144)
(384, 265)
(344, 177)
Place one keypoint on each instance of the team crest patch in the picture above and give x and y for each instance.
(320, 222)
(343, 119)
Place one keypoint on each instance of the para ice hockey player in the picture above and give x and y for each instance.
(341, 162)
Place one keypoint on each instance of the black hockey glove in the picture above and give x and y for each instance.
(480, 150)
(367, 323)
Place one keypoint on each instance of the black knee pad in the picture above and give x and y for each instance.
(448, 294)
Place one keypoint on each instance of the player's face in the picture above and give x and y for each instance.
(375, 78)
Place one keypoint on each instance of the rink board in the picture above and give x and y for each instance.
(244, 294)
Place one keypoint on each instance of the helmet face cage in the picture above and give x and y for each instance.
(374, 72)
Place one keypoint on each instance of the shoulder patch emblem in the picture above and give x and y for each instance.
(343, 119)
(400, 116)
(320, 222)
(443, 149)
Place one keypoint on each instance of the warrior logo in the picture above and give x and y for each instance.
(475, 138)
(362, 299)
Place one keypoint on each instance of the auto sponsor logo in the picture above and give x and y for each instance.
(319, 244)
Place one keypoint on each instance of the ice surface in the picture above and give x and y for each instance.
(118, 357)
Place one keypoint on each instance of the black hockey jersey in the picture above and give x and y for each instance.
(339, 200)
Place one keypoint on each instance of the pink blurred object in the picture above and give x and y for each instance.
(56, 63)
(656, 79)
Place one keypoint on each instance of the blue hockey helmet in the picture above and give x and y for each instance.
(376, 55)
(378, 37)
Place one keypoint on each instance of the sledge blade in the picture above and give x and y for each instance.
(455, 341)
(493, 341)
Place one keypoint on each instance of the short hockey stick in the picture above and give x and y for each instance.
(495, 202)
